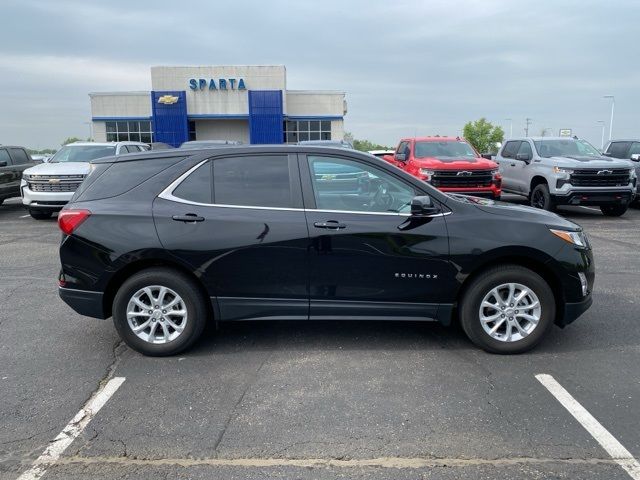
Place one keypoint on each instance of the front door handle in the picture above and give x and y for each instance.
(189, 217)
(330, 224)
(513, 164)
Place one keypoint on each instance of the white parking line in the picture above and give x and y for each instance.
(613, 447)
(25, 216)
(590, 208)
(74, 428)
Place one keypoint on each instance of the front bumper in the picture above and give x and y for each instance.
(83, 302)
(573, 310)
(488, 192)
(44, 200)
(594, 197)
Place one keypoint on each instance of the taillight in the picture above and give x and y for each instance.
(69, 220)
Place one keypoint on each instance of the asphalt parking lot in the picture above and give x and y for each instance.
(368, 400)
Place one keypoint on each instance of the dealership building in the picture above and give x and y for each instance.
(250, 104)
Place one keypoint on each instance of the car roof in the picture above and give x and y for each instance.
(434, 139)
(227, 150)
(537, 139)
(624, 140)
(103, 144)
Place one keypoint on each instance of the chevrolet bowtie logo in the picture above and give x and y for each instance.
(604, 172)
(168, 100)
(54, 180)
(464, 173)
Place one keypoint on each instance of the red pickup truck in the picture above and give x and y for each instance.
(449, 164)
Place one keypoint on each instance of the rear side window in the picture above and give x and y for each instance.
(261, 181)
(197, 186)
(121, 177)
(510, 149)
(19, 156)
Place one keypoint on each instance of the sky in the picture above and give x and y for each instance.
(407, 67)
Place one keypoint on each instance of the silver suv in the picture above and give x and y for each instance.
(47, 187)
(553, 171)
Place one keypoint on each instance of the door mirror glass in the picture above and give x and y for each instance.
(423, 206)
(487, 156)
(635, 157)
(525, 157)
(401, 157)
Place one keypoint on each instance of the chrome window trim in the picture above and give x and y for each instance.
(167, 194)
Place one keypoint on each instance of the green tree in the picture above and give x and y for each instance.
(363, 145)
(71, 140)
(483, 135)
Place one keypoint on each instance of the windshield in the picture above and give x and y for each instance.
(82, 153)
(569, 147)
(444, 149)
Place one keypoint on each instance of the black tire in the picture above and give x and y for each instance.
(40, 214)
(496, 198)
(613, 210)
(469, 310)
(185, 287)
(541, 198)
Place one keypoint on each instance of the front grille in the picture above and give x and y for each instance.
(466, 179)
(614, 177)
(54, 183)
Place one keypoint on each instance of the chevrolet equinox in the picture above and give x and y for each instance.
(165, 241)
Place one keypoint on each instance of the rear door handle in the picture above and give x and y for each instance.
(513, 164)
(189, 217)
(330, 224)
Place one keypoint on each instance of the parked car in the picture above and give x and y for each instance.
(553, 171)
(13, 161)
(630, 150)
(160, 146)
(381, 153)
(165, 241)
(210, 143)
(450, 164)
(40, 158)
(46, 188)
(327, 143)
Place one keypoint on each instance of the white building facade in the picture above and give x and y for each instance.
(250, 104)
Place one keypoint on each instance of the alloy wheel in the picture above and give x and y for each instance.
(156, 314)
(510, 312)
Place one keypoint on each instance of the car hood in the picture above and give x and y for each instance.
(590, 162)
(62, 168)
(456, 163)
(521, 212)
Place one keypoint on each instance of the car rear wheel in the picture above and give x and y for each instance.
(40, 214)
(507, 309)
(541, 198)
(159, 312)
(613, 210)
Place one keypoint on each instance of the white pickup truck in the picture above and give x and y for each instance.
(47, 187)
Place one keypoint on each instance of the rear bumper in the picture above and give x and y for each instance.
(593, 197)
(83, 302)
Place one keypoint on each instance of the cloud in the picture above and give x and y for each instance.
(407, 66)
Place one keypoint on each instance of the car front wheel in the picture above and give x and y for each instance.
(613, 210)
(541, 198)
(507, 309)
(159, 312)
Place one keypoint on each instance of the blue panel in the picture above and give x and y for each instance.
(170, 124)
(265, 116)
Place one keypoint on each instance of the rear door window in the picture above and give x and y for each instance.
(635, 149)
(19, 156)
(261, 181)
(197, 187)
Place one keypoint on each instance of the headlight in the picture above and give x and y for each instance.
(576, 238)
(426, 173)
(26, 176)
(565, 171)
(632, 174)
(495, 173)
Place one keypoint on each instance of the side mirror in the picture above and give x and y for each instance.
(3, 164)
(487, 156)
(525, 157)
(423, 207)
(401, 157)
(635, 157)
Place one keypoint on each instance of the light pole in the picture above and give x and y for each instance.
(510, 127)
(602, 124)
(528, 122)
(613, 106)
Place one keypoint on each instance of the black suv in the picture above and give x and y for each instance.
(13, 161)
(166, 241)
